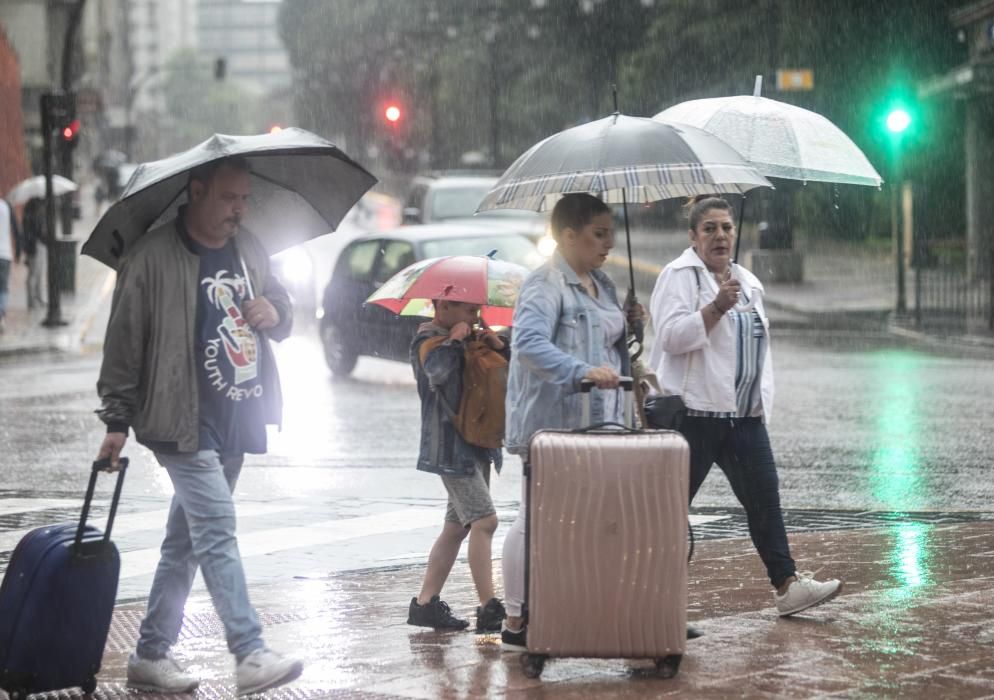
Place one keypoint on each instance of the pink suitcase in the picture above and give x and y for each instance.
(606, 561)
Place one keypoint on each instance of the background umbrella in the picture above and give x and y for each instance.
(302, 187)
(34, 187)
(494, 284)
(623, 159)
(779, 139)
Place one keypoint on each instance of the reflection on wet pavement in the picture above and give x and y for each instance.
(914, 620)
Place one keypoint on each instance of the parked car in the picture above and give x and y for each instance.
(350, 328)
(439, 196)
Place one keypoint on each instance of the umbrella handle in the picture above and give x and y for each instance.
(248, 280)
(754, 296)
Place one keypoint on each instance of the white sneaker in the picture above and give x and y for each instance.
(805, 593)
(163, 675)
(264, 669)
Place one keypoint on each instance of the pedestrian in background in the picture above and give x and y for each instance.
(568, 326)
(9, 243)
(718, 359)
(438, 359)
(187, 365)
(33, 233)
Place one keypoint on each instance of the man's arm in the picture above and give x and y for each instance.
(121, 369)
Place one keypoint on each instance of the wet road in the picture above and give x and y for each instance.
(859, 424)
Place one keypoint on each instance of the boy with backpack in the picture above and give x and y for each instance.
(461, 375)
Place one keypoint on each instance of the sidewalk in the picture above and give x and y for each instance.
(914, 620)
(94, 282)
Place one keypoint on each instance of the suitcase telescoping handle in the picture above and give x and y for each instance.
(587, 385)
(99, 466)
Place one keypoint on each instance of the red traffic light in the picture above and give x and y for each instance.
(392, 113)
(71, 130)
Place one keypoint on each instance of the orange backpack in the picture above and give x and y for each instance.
(480, 418)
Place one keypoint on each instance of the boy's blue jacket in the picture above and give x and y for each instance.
(443, 451)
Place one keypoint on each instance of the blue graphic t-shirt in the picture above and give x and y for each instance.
(229, 372)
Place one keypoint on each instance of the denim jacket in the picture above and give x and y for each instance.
(443, 451)
(556, 342)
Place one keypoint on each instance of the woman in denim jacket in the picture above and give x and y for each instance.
(568, 326)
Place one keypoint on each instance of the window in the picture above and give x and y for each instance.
(396, 256)
(360, 259)
(457, 202)
(510, 247)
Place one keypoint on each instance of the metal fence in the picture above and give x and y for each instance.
(947, 298)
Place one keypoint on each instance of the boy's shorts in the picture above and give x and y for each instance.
(469, 496)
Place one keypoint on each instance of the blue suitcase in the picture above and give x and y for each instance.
(56, 603)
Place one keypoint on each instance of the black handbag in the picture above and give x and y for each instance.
(665, 412)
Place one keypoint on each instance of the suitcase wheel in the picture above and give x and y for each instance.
(668, 666)
(89, 685)
(532, 664)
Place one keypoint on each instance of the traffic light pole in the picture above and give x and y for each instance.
(897, 235)
(51, 106)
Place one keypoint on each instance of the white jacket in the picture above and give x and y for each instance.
(681, 339)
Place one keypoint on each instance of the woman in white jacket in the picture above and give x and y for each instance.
(712, 348)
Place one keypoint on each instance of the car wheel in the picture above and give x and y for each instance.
(338, 352)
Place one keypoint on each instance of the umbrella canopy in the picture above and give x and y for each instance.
(623, 159)
(781, 140)
(475, 279)
(34, 187)
(302, 187)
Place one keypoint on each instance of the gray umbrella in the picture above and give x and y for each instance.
(623, 159)
(302, 187)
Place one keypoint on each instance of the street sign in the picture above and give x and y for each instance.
(795, 79)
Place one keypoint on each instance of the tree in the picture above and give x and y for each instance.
(198, 105)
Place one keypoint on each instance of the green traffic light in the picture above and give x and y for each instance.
(898, 120)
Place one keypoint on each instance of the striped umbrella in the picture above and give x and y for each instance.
(623, 159)
(475, 279)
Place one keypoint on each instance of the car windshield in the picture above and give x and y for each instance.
(511, 247)
(457, 202)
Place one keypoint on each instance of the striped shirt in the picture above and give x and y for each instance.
(750, 353)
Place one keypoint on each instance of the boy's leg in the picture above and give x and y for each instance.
(428, 609)
(440, 560)
(481, 535)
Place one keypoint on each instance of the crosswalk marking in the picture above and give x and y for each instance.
(407, 530)
(143, 561)
(10, 506)
(127, 523)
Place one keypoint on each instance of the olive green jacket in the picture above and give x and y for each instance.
(148, 379)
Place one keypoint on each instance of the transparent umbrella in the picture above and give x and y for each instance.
(779, 139)
(34, 187)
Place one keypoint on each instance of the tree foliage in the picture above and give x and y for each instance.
(198, 105)
(471, 74)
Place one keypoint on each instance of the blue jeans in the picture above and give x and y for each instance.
(200, 531)
(741, 447)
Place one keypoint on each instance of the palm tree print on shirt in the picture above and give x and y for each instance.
(238, 338)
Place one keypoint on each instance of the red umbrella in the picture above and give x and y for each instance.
(493, 284)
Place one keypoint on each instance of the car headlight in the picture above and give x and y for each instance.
(296, 265)
(546, 245)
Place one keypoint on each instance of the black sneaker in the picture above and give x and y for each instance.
(435, 613)
(514, 641)
(490, 616)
